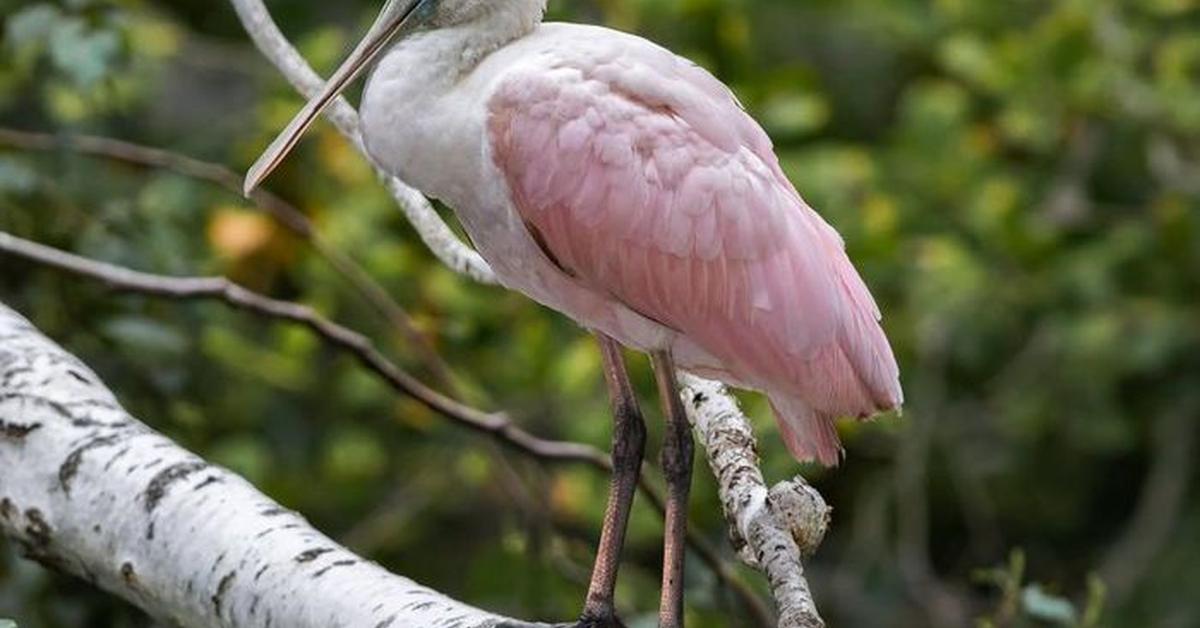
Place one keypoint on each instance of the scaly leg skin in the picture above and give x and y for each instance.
(628, 448)
(677, 469)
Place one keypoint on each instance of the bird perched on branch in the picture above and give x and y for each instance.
(624, 186)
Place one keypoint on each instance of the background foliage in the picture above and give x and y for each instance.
(1017, 181)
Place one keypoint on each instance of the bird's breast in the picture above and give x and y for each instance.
(422, 138)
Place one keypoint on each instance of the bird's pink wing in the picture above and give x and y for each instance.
(640, 175)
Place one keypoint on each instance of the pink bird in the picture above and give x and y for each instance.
(620, 184)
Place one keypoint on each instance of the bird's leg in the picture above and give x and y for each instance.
(628, 447)
(677, 469)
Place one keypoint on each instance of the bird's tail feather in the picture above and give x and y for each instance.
(808, 433)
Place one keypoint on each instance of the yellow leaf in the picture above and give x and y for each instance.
(237, 233)
(569, 493)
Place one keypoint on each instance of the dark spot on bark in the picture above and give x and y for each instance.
(260, 572)
(53, 406)
(18, 431)
(157, 489)
(7, 509)
(218, 598)
(150, 531)
(80, 377)
(95, 403)
(128, 574)
(70, 467)
(334, 565)
(41, 555)
(308, 556)
(699, 400)
(108, 465)
(11, 374)
(387, 622)
(273, 511)
(96, 529)
(37, 529)
(209, 481)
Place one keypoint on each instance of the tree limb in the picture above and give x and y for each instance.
(89, 490)
(1160, 503)
(498, 425)
(771, 529)
(283, 212)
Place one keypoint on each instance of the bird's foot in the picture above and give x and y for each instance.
(600, 619)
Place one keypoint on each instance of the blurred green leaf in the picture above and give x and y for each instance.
(81, 53)
(16, 177)
(28, 30)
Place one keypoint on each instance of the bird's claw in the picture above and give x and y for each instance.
(606, 620)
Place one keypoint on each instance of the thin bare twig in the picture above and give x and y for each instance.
(285, 213)
(221, 289)
(1159, 505)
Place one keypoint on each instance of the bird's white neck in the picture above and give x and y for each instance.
(454, 49)
(413, 124)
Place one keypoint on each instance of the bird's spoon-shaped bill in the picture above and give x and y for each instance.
(392, 19)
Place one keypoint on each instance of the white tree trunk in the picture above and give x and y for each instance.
(87, 489)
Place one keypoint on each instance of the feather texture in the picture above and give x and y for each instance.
(645, 180)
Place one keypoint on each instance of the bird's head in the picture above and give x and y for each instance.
(397, 19)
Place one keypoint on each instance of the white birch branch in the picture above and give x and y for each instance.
(771, 529)
(87, 489)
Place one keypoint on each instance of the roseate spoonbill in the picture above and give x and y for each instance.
(624, 186)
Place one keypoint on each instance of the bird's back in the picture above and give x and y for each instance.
(639, 175)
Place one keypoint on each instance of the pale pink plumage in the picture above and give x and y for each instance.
(641, 176)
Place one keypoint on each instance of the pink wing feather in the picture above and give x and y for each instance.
(641, 175)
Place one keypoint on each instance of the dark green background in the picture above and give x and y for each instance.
(1017, 181)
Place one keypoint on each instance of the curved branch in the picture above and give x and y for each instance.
(434, 232)
(220, 289)
(1159, 505)
(283, 212)
(89, 490)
